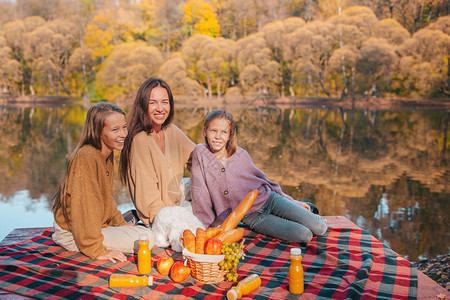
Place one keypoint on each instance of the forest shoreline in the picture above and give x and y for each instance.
(282, 102)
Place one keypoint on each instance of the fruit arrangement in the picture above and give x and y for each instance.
(221, 240)
(233, 253)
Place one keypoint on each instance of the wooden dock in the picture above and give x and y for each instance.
(427, 288)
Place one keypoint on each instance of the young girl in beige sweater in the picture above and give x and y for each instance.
(86, 217)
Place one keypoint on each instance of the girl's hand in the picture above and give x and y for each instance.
(112, 255)
(306, 206)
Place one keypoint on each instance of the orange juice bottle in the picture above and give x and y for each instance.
(244, 287)
(144, 255)
(296, 284)
(127, 280)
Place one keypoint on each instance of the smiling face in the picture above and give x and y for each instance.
(113, 133)
(218, 135)
(158, 107)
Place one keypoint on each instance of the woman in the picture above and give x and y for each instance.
(86, 217)
(155, 152)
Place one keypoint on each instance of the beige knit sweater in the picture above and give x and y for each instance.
(90, 206)
(154, 178)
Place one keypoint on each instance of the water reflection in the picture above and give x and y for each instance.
(387, 171)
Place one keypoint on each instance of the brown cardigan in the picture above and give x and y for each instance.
(154, 178)
(90, 206)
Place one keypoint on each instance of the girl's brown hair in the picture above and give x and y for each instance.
(92, 130)
(222, 114)
(140, 120)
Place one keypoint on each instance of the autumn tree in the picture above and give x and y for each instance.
(9, 70)
(346, 57)
(162, 19)
(258, 72)
(80, 70)
(277, 35)
(126, 68)
(417, 14)
(16, 37)
(308, 49)
(200, 17)
(392, 31)
(377, 63)
(110, 27)
(174, 71)
(211, 62)
(351, 28)
(236, 18)
(424, 62)
(8, 14)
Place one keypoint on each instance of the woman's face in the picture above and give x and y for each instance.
(113, 133)
(158, 107)
(218, 135)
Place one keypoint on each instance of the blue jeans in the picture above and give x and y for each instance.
(283, 219)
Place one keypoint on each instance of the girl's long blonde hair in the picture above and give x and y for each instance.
(222, 114)
(92, 130)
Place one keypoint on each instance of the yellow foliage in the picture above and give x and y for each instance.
(201, 17)
(98, 40)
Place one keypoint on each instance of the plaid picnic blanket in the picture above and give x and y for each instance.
(342, 264)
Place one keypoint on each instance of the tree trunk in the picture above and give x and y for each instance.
(83, 64)
(31, 88)
(219, 94)
(61, 81)
(209, 89)
(352, 85)
(291, 91)
(322, 84)
(341, 45)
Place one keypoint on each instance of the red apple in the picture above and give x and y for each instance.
(179, 271)
(213, 246)
(164, 264)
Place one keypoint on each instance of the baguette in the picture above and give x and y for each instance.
(236, 215)
(189, 240)
(213, 231)
(231, 236)
(200, 240)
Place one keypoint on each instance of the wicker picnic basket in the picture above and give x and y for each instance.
(204, 267)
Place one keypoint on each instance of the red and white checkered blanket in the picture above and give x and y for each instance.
(342, 264)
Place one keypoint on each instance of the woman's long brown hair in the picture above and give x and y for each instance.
(139, 120)
(92, 130)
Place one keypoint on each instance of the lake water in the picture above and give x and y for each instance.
(387, 171)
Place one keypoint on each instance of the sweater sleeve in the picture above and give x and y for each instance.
(86, 207)
(116, 217)
(143, 182)
(201, 200)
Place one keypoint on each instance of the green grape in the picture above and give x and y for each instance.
(232, 253)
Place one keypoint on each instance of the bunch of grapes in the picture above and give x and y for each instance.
(233, 253)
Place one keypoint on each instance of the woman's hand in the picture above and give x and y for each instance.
(112, 255)
(306, 206)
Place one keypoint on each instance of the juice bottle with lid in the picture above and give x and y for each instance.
(244, 287)
(127, 280)
(296, 283)
(144, 255)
